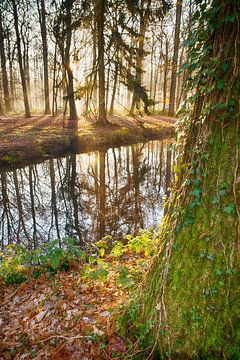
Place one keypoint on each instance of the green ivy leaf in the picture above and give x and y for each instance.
(222, 192)
(218, 272)
(225, 67)
(221, 84)
(215, 201)
(210, 257)
(197, 193)
(229, 209)
(229, 271)
(230, 18)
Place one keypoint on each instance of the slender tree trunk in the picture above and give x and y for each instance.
(70, 85)
(4, 68)
(20, 61)
(165, 76)
(175, 58)
(10, 54)
(42, 20)
(1, 108)
(54, 86)
(108, 86)
(94, 75)
(139, 65)
(100, 18)
(152, 66)
(114, 85)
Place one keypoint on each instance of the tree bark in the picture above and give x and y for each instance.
(175, 58)
(165, 76)
(42, 20)
(190, 298)
(100, 18)
(114, 84)
(4, 68)
(139, 62)
(20, 61)
(70, 88)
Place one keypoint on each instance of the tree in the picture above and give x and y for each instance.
(147, 10)
(100, 19)
(144, 15)
(20, 59)
(63, 27)
(42, 21)
(175, 58)
(4, 68)
(189, 305)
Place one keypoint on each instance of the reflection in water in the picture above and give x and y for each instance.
(85, 196)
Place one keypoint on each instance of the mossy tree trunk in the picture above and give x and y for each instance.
(190, 304)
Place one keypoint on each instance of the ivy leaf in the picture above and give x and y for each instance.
(222, 192)
(210, 257)
(184, 67)
(221, 84)
(230, 209)
(197, 182)
(197, 193)
(225, 67)
(229, 271)
(215, 201)
(198, 171)
(230, 18)
(218, 272)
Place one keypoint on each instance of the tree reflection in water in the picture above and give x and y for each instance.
(85, 196)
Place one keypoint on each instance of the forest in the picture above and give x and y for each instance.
(119, 179)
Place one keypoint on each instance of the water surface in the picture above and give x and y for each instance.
(85, 196)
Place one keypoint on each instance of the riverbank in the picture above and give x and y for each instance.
(71, 313)
(40, 137)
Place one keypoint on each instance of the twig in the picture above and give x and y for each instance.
(105, 353)
(62, 337)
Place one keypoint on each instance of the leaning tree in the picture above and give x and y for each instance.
(190, 305)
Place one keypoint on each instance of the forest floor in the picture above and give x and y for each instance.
(67, 316)
(40, 137)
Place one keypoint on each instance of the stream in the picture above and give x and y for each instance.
(85, 196)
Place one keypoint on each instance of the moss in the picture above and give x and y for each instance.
(201, 290)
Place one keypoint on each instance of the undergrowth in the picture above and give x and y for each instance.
(17, 264)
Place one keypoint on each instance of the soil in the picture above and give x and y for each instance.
(34, 139)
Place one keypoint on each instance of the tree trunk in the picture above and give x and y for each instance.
(54, 86)
(10, 55)
(4, 68)
(139, 63)
(94, 70)
(165, 76)
(114, 84)
(42, 20)
(175, 58)
(100, 17)
(1, 108)
(20, 61)
(70, 86)
(190, 303)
